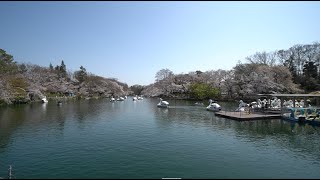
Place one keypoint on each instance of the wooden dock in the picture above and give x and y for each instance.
(244, 116)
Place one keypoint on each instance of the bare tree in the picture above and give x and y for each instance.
(262, 58)
(282, 56)
(163, 74)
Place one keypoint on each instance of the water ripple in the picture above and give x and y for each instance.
(100, 139)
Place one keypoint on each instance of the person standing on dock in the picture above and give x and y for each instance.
(249, 109)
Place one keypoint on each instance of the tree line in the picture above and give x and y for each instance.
(23, 83)
(295, 70)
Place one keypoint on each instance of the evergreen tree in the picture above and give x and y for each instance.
(50, 66)
(292, 68)
(81, 75)
(310, 69)
(63, 70)
(7, 64)
(310, 76)
(57, 68)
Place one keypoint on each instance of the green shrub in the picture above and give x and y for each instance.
(203, 91)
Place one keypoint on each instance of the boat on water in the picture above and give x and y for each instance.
(44, 100)
(163, 104)
(135, 98)
(120, 99)
(242, 106)
(302, 115)
(301, 108)
(213, 106)
(112, 99)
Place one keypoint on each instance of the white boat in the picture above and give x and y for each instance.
(134, 98)
(112, 99)
(140, 98)
(302, 115)
(163, 104)
(240, 109)
(120, 99)
(44, 100)
(214, 106)
(242, 106)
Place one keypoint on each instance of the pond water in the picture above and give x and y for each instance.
(136, 139)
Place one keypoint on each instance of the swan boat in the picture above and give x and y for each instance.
(44, 100)
(302, 115)
(163, 104)
(214, 106)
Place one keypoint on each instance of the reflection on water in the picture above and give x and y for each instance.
(136, 139)
(301, 138)
(44, 107)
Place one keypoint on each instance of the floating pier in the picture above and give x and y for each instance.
(245, 116)
(267, 113)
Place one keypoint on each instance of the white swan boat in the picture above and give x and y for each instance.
(214, 106)
(163, 104)
(242, 106)
(120, 99)
(44, 100)
(134, 98)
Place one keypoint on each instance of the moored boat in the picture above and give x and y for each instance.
(213, 106)
(302, 115)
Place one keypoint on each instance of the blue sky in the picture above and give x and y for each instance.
(131, 41)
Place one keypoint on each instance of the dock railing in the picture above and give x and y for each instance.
(247, 111)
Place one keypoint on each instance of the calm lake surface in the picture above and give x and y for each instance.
(136, 139)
